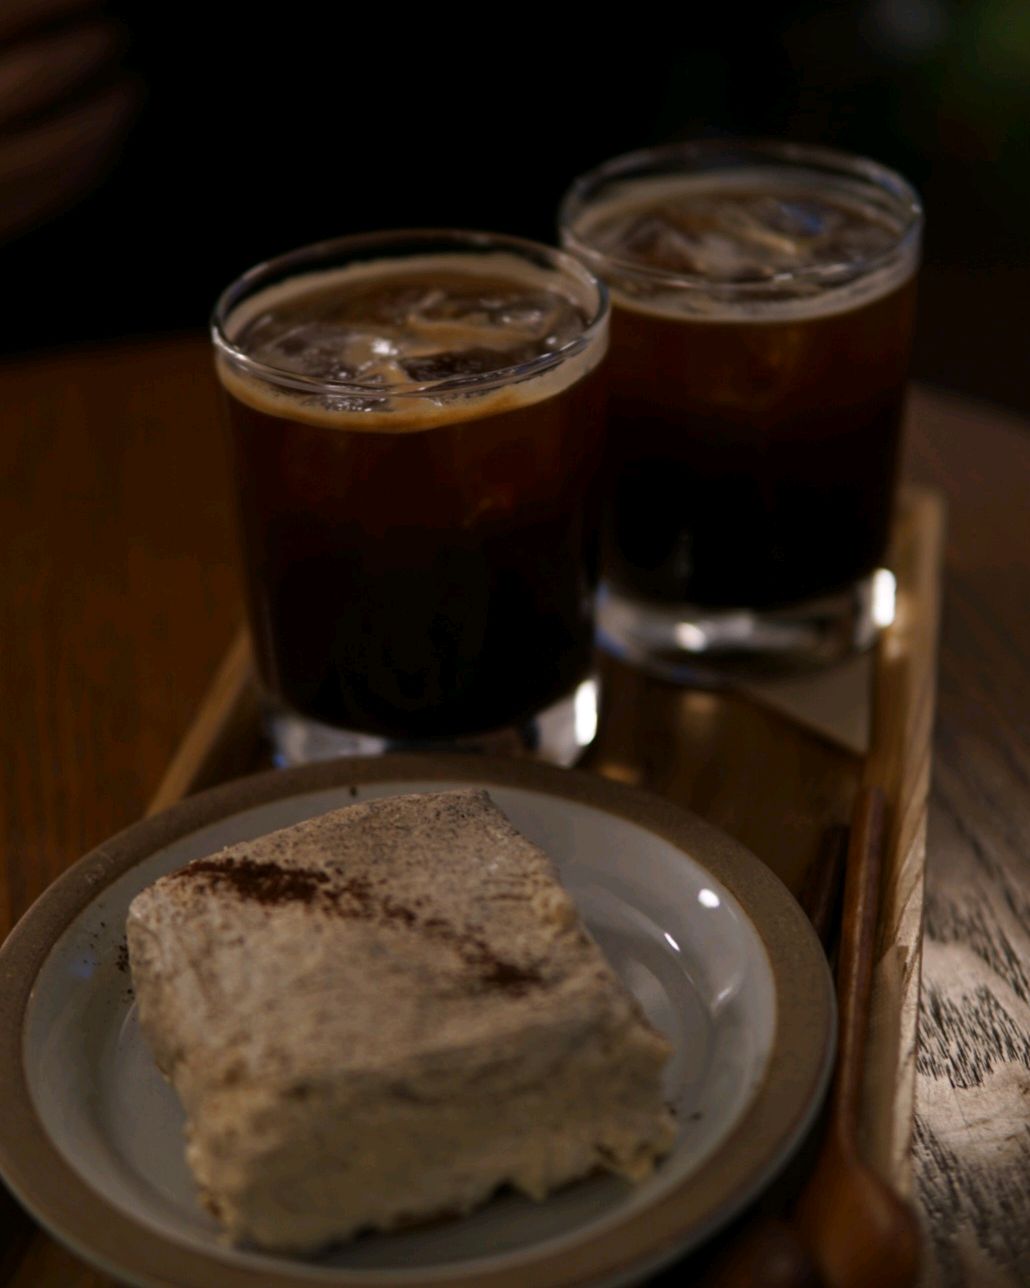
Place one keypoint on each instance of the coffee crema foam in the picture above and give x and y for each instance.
(745, 233)
(381, 329)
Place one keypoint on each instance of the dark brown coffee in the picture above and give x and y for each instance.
(421, 554)
(760, 341)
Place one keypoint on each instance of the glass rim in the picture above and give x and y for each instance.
(581, 192)
(351, 246)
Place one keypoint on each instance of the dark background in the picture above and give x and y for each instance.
(252, 136)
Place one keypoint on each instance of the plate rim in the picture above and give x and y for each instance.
(774, 1122)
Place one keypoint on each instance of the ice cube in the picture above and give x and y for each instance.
(800, 219)
(424, 330)
(468, 362)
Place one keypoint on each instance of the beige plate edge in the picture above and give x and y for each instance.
(782, 1108)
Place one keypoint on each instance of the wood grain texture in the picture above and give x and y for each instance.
(223, 740)
(117, 591)
(972, 1145)
(903, 711)
(853, 1222)
(117, 599)
(117, 595)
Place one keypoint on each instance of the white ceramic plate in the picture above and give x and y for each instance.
(711, 944)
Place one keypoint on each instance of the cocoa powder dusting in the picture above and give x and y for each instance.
(267, 883)
(272, 883)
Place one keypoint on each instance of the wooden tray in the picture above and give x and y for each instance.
(772, 782)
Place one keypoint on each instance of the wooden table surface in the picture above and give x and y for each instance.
(118, 597)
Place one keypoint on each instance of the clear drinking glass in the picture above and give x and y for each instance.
(416, 423)
(762, 307)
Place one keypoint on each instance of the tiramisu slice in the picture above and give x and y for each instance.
(382, 1015)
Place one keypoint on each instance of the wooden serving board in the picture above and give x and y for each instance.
(773, 783)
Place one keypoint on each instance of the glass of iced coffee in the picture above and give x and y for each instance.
(416, 423)
(762, 308)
